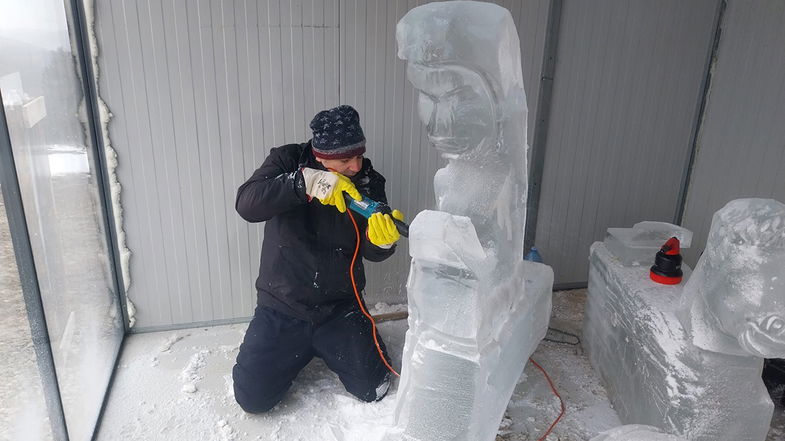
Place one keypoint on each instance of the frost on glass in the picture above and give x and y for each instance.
(476, 309)
(687, 358)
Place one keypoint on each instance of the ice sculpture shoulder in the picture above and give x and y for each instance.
(476, 309)
(687, 358)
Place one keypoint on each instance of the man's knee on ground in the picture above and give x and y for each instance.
(255, 403)
(369, 391)
(254, 394)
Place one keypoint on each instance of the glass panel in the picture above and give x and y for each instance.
(23, 409)
(58, 177)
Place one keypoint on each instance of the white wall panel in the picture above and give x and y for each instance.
(741, 147)
(626, 92)
(200, 92)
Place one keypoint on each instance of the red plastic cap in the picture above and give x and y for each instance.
(663, 280)
(671, 247)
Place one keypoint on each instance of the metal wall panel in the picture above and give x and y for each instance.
(741, 143)
(200, 91)
(625, 99)
(373, 80)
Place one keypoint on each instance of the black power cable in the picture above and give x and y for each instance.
(563, 341)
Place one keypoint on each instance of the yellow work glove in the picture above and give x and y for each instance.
(381, 229)
(329, 187)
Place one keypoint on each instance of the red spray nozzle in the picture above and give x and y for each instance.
(667, 264)
(671, 247)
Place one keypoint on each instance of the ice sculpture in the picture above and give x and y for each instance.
(477, 310)
(635, 432)
(688, 358)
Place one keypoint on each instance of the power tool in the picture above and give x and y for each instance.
(367, 206)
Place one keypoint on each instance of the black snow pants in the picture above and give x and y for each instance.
(277, 346)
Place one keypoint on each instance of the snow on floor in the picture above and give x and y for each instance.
(177, 386)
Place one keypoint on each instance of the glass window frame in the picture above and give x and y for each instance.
(20, 235)
(28, 277)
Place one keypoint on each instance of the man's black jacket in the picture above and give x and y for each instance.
(308, 247)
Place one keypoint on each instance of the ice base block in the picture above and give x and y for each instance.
(653, 373)
(465, 350)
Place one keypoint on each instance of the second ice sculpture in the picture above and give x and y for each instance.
(477, 310)
(687, 358)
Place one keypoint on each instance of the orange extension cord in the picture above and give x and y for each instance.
(384, 359)
(359, 300)
(553, 388)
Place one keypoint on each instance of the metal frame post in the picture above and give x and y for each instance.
(678, 217)
(80, 35)
(542, 122)
(89, 86)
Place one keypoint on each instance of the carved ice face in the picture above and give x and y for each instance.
(751, 307)
(457, 106)
(746, 294)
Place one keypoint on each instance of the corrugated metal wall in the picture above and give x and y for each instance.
(626, 93)
(741, 147)
(373, 80)
(201, 90)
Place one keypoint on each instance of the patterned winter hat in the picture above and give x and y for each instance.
(337, 133)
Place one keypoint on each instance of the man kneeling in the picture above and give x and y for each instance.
(306, 303)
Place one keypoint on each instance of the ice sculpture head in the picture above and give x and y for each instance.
(744, 273)
(464, 59)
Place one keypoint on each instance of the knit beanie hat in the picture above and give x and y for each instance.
(337, 133)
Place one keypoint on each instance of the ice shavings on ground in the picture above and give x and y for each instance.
(148, 402)
(192, 372)
(167, 346)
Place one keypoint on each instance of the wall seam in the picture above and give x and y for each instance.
(542, 120)
(711, 62)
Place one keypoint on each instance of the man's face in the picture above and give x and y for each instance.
(347, 167)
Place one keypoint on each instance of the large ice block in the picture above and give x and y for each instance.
(476, 309)
(687, 358)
